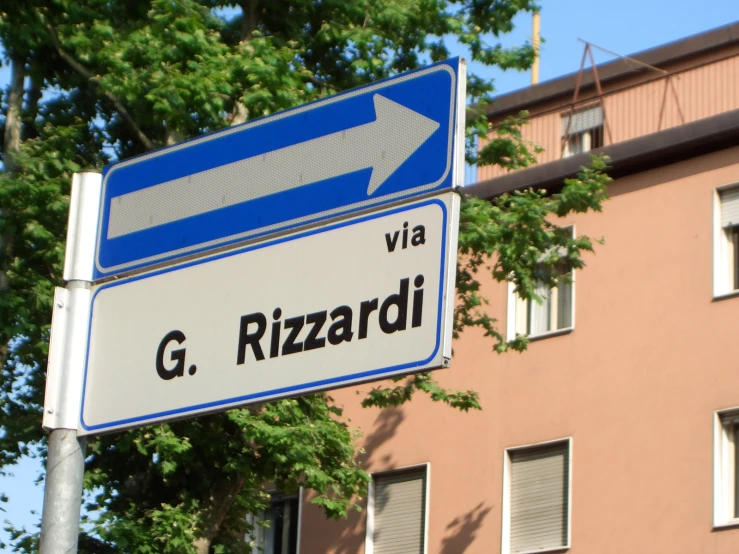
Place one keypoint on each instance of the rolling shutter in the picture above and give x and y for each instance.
(399, 514)
(730, 208)
(734, 430)
(539, 497)
(582, 120)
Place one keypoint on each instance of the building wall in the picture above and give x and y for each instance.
(671, 101)
(642, 104)
(635, 384)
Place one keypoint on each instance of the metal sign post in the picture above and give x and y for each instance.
(65, 463)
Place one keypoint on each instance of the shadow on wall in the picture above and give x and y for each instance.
(346, 536)
(349, 541)
(384, 429)
(462, 531)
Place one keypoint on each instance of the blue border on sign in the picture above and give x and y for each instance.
(274, 394)
(186, 237)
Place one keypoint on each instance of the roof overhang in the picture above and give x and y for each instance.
(632, 156)
(518, 100)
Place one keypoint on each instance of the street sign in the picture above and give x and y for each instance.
(372, 146)
(348, 302)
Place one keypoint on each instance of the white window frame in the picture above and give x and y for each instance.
(255, 519)
(369, 546)
(586, 139)
(513, 315)
(724, 467)
(505, 547)
(723, 250)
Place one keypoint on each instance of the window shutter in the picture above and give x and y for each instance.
(539, 497)
(582, 120)
(399, 516)
(730, 208)
(735, 469)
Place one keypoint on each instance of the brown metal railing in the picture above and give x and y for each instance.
(637, 109)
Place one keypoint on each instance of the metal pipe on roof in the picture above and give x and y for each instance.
(536, 41)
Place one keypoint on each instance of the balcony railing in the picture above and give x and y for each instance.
(663, 102)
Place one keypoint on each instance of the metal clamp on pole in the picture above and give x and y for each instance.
(65, 370)
(65, 463)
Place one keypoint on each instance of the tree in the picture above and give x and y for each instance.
(100, 80)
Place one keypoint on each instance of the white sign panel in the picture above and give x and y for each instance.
(360, 300)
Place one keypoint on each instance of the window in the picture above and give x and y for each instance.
(554, 313)
(537, 498)
(276, 528)
(726, 248)
(726, 469)
(583, 131)
(396, 513)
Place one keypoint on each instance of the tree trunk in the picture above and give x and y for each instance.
(12, 145)
(220, 501)
(174, 136)
(240, 115)
(248, 24)
(15, 109)
(30, 130)
(217, 507)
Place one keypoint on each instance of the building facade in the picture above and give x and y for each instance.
(618, 429)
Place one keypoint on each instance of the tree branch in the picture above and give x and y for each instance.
(320, 84)
(90, 76)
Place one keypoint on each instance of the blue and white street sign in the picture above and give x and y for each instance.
(376, 145)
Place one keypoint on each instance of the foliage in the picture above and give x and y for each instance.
(512, 238)
(106, 80)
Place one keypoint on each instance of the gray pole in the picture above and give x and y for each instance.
(65, 463)
(65, 466)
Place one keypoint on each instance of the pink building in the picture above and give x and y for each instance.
(618, 430)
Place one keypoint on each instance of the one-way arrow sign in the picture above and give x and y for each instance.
(350, 150)
(371, 146)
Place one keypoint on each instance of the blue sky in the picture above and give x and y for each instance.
(625, 27)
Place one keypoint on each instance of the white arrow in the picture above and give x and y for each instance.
(383, 145)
